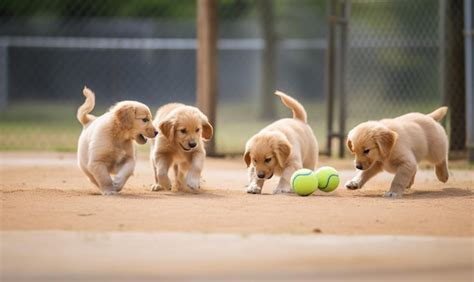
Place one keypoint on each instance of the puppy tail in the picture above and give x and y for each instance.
(438, 114)
(83, 112)
(298, 110)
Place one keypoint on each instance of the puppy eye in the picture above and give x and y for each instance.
(366, 151)
(145, 120)
(267, 160)
(197, 129)
(184, 131)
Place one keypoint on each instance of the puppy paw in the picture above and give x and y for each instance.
(117, 185)
(281, 190)
(157, 187)
(175, 189)
(254, 189)
(109, 193)
(192, 182)
(391, 194)
(352, 185)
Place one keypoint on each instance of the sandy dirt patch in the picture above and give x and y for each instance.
(47, 191)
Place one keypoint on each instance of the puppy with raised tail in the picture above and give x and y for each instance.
(106, 152)
(281, 148)
(183, 130)
(397, 146)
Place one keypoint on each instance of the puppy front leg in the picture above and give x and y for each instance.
(102, 176)
(162, 181)
(193, 177)
(284, 185)
(125, 171)
(401, 181)
(256, 184)
(363, 176)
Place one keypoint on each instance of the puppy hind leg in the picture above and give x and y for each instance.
(442, 171)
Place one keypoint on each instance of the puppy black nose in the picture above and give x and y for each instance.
(359, 166)
(261, 174)
(192, 144)
(156, 132)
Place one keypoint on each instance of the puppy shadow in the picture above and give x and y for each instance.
(199, 194)
(126, 195)
(451, 192)
(151, 195)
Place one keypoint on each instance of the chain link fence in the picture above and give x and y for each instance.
(398, 61)
(407, 56)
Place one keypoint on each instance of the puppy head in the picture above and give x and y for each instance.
(266, 152)
(186, 126)
(369, 142)
(133, 120)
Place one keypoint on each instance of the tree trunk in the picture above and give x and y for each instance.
(268, 100)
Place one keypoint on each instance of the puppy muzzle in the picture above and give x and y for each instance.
(262, 175)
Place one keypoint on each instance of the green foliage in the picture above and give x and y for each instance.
(115, 8)
(101, 8)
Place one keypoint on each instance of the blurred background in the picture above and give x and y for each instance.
(347, 61)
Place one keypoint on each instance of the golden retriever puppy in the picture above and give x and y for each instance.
(183, 130)
(106, 146)
(281, 148)
(397, 146)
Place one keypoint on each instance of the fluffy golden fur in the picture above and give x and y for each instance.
(281, 148)
(105, 147)
(397, 146)
(183, 130)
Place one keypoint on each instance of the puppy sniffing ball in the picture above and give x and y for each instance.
(328, 178)
(304, 182)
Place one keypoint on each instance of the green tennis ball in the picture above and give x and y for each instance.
(304, 182)
(328, 178)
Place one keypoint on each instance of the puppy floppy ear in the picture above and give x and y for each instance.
(125, 114)
(167, 128)
(247, 159)
(385, 139)
(207, 129)
(349, 145)
(282, 149)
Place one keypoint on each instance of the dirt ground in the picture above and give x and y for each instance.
(48, 207)
(47, 191)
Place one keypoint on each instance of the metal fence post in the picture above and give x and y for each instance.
(442, 54)
(336, 65)
(469, 38)
(3, 73)
(343, 75)
(455, 78)
(330, 72)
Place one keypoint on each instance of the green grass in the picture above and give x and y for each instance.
(53, 127)
(39, 126)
